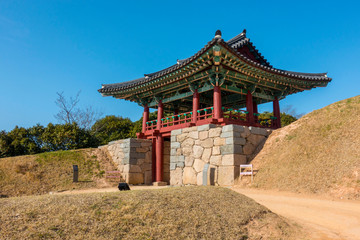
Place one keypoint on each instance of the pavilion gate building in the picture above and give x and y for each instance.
(207, 110)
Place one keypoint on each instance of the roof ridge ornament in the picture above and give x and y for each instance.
(217, 34)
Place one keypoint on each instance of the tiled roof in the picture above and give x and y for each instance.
(232, 44)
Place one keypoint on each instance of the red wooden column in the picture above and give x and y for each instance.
(159, 145)
(195, 106)
(145, 118)
(217, 103)
(250, 108)
(255, 109)
(160, 114)
(276, 108)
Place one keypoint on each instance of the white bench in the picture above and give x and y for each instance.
(248, 170)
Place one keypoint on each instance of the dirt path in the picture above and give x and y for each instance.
(325, 219)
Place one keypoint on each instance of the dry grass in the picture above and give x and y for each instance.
(42, 173)
(171, 213)
(319, 153)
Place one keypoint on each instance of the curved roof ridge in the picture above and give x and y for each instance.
(304, 76)
(237, 38)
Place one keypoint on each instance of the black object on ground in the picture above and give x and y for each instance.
(123, 186)
(76, 173)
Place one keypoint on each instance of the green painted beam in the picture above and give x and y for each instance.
(181, 96)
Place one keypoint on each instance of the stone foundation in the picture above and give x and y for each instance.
(224, 148)
(132, 158)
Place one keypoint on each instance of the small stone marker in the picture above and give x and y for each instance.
(205, 170)
(75, 173)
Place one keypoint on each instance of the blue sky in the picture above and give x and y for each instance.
(67, 46)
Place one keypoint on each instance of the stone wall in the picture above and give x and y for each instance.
(133, 159)
(223, 148)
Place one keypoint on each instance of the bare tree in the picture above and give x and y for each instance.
(70, 113)
(289, 109)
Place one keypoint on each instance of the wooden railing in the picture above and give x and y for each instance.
(205, 113)
(176, 119)
(234, 115)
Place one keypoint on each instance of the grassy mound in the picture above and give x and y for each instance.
(171, 213)
(319, 153)
(42, 173)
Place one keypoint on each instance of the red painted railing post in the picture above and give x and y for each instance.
(276, 108)
(145, 118)
(250, 108)
(195, 106)
(159, 114)
(217, 102)
(159, 158)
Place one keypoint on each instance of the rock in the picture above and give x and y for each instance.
(176, 132)
(172, 166)
(178, 152)
(180, 164)
(199, 178)
(215, 150)
(230, 134)
(176, 177)
(148, 177)
(205, 127)
(181, 137)
(187, 151)
(193, 134)
(198, 165)
(232, 128)
(197, 151)
(255, 139)
(135, 178)
(233, 159)
(215, 160)
(248, 149)
(232, 140)
(231, 149)
(189, 176)
(258, 131)
(175, 145)
(203, 135)
(190, 129)
(146, 166)
(177, 159)
(207, 143)
(142, 149)
(227, 175)
(215, 132)
(189, 161)
(174, 151)
(246, 132)
(189, 142)
(206, 155)
(219, 141)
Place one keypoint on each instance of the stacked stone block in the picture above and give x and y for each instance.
(224, 148)
(133, 159)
